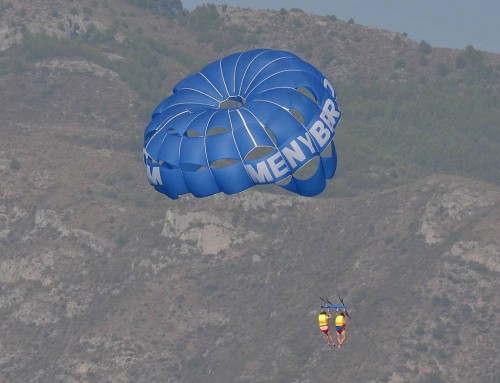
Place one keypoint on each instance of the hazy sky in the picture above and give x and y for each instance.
(441, 23)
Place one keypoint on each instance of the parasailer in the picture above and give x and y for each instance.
(340, 319)
(340, 327)
(254, 117)
(324, 326)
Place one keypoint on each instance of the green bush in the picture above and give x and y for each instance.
(442, 70)
(232, 36)
(421, 347)
(441, 301)
(433, 377)
(163, 7)
(420, 330)
(400, 64)
(4, 68)
(122, 239)
(15, 164)
(438, 333)
(298, 23)
(424, 48)
(460, 62)
(204, 19)
(5, 6)
(478, 267)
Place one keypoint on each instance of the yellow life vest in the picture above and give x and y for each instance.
(322, 320)
(339, 320)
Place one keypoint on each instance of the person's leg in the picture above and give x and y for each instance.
(330, 338)
(338, 339)
(342, 337)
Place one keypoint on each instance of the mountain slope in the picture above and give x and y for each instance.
(409, 110)
(226, 288)
(102, 279)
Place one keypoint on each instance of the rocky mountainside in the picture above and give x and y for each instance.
(103, 280)
(103, 288)
(341, 48)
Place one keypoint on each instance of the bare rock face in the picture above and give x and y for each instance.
(446, 211)
(210, 235)
(50, 17)
(486, 255)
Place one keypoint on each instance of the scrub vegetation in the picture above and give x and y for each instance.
(444, 119)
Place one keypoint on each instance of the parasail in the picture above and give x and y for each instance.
(254, 117)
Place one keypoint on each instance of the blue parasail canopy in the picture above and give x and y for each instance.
(255, 117)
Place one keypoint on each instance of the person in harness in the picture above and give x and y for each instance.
(340, 326)
(324, 326)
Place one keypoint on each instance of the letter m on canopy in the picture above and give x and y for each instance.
(154, 175)
(261, 174)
